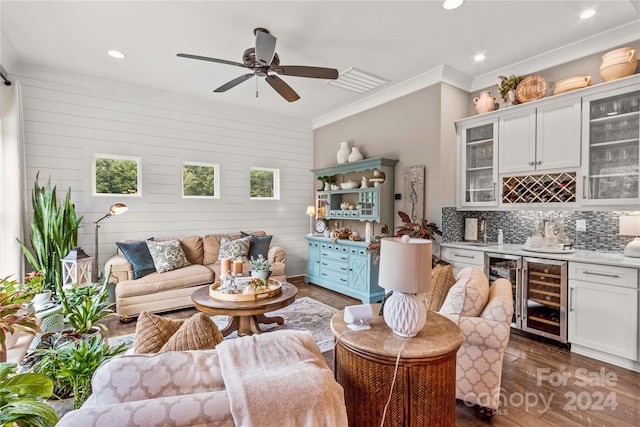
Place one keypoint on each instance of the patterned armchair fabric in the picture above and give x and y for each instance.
(483, 314)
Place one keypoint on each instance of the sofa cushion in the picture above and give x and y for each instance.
(138, 255)
(192, 247)
(211, 247)
(198, 332)
(167, 255)
(442, 279)
(259, 245)
(237, 249)
(150, 284)
(153, 331)
(469, 294)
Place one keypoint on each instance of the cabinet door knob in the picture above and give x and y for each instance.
(531, 163)
(539, 162)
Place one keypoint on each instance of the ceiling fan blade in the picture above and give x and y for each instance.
(302, 71)
(282, 88)
(265, 46)
(233, 83)
(206, 58)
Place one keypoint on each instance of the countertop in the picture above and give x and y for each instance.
(592, 257)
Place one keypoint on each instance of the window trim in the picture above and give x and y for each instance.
(276, 183)
(138, 161)
(216, 179)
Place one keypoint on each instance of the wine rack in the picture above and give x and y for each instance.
(544, 188)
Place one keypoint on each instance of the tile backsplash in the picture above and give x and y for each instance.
(602, 226)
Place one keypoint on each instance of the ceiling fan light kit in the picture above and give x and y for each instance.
(263, 61)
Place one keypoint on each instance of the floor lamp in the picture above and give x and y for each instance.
(116, 209)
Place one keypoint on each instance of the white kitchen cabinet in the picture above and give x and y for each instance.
(463, 258)
(479, 176)
(542, 138)
(603, 312)
(611, 145)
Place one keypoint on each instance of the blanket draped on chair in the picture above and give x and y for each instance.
(280, 378)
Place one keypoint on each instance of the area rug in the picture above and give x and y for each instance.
(305, 314)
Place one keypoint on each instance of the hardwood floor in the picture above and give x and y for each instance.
(543, 384)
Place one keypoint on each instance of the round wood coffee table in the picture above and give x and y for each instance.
(245, 316)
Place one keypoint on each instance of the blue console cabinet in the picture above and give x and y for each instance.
(344, 267)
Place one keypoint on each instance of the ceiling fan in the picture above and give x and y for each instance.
(263, 61)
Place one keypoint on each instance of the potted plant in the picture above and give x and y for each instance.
(507, 87)
(34, 282)
(260, 267)
(13, 317)
(54, 232)
(326, 182)
(71, 364)
(19, 398)
(85, 307)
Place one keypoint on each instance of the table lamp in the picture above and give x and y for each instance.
(116, 209)
(311, 211)
(405, 269)
(630, 226)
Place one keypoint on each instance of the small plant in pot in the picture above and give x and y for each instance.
(507, 87)
(13, 316)
(34, 282)
(260, 267)
(20, 396)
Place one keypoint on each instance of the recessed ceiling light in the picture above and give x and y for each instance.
(479, 57)
(587, 14)
(452, 4)
(116, 54)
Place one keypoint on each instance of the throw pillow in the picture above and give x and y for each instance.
(469, 295)
(442, 279)
(137, 253)
(167, 255)
(152, 332)
(259, 245)
(198, 332)
(237, 249)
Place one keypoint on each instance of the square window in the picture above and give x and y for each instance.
(265, 183)
(116, 175)
(200, 180)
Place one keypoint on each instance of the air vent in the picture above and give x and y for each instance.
(357, 81)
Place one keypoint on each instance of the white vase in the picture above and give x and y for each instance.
(343, 152)
(262, 274)
(355, 155)
(41, 299)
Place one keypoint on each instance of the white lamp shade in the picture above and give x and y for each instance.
(630, 225)
(311, 210)
(405, 266)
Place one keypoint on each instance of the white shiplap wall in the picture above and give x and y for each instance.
(69, 118)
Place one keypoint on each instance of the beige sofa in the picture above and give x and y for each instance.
(157, 292)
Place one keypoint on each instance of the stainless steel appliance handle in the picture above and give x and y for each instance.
(571, 289)
(518, 282)
(584, 186)
(595, 273)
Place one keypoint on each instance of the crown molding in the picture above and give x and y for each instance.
(446, 74)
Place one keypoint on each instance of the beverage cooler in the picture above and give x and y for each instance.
(501, 266)
(539, 292)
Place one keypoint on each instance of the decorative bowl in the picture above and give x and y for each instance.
(618, 63)
(571, 83)
(349, 185)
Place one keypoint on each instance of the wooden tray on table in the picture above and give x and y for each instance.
(274, 288)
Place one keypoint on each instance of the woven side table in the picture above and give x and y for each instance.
(424, 393)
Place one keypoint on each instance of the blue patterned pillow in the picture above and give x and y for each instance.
(167, 255)
(235, 249)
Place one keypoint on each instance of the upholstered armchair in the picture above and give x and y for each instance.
(483, 314)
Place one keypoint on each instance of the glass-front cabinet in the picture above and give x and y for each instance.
(478, 164)
(611, 161)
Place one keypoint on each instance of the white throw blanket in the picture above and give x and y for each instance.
(280, 378)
